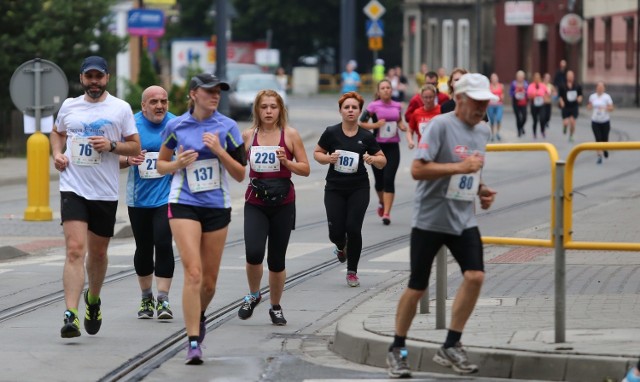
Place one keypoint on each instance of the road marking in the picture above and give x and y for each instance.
(401, 256)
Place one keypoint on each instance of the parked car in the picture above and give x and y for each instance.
(244, 89)
(234, 69)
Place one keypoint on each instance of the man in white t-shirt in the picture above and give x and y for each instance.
(601, 104)
(447, 165)
(89, 134)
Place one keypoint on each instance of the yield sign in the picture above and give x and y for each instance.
(374, 10)
(375, 28)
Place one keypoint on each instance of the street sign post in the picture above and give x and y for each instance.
(38, 88)
(145, 22)
(375, 28)
(375, 43)
(374, 10)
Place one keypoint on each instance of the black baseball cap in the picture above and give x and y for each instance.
(207, 81)
(94, 63)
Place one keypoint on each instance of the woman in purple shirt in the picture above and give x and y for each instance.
(386, 117)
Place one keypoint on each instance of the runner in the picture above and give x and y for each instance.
(496, 108)
(387, 120)
(448, 165)
(147, 193)
(601, 104)
(421, 117)
(570, 98)
(518, 92)
(346, 147)
(93, 130)
(275, 151)
(207, 145)
(536, 92)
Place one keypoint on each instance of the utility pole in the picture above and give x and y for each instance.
(347, 31)
(221, 51)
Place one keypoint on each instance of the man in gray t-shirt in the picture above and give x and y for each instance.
(447, 165)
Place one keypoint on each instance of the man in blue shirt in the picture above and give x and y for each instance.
(147, 198)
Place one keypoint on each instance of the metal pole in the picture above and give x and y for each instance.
(478, 39)
(560, 260)
(37, 72)
(441, 289)
(221, 51)
(347, 32)
(638, 55)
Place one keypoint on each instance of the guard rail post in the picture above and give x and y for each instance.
(560, 259)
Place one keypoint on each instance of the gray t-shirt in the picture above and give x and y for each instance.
(447, 140)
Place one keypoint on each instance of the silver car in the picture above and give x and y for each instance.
(244, 89)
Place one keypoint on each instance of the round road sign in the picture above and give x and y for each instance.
(53, 87)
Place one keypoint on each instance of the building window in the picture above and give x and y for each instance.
(629, 48)
(608, 44)
(591, 43)
(432, 43)
(447, 44)
(463, 44)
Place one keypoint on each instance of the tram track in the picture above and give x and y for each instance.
(141, 365)
(51, 298)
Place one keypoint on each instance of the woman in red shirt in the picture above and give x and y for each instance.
(421, 117)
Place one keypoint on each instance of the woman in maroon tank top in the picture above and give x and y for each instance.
(275, 151)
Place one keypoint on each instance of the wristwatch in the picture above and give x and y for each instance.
(113, 146)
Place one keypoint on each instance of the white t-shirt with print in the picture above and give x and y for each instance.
(78, 118)
(600, 103)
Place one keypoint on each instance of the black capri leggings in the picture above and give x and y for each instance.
(466, 249)
(601, 130)
(345, 215)
(275, 222)
(151, 230)
(385, 178)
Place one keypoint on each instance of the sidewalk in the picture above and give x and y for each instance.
(511, 331)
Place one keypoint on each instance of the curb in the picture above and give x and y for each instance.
(354, 343)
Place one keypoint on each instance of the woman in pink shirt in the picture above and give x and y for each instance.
(536, 92)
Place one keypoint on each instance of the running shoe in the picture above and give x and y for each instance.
(571, 138)
(606, 154)
(386, 219)
(203, 332)
(352, 279)
(194, 354)
(599, 160)
(92, 315)
(277, 318)
(397, 362)
(341, 254)
(380, 209)
(163, 310)
(498, 136)
(250, 302)
(146, 308)
(564, 130)
(456, 358)
(71, 327)
(632, 376)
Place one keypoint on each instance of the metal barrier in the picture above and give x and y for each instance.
(561, 227)
(568, 203)
(553, 156)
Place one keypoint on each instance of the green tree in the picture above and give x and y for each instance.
(61, 31)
